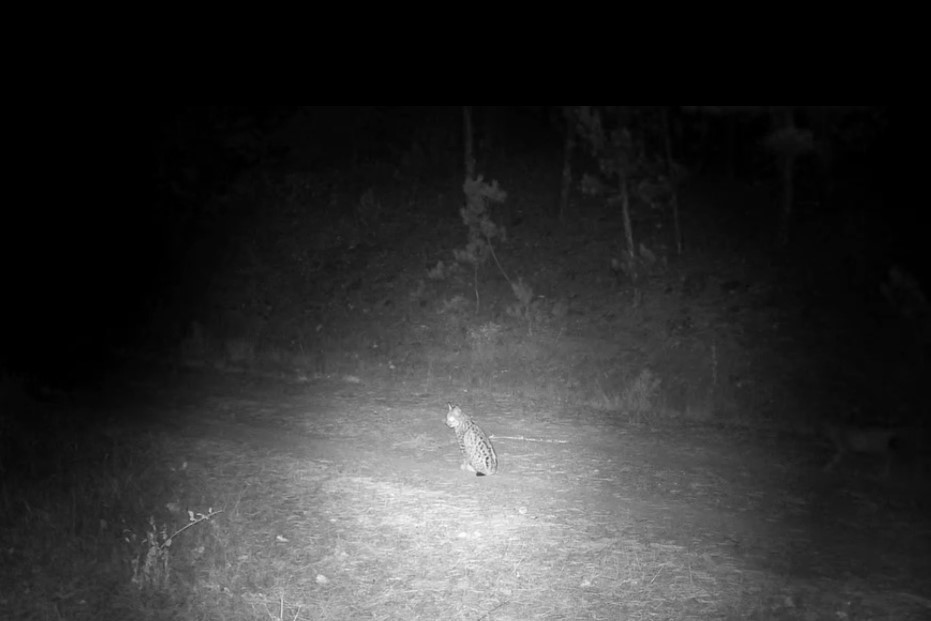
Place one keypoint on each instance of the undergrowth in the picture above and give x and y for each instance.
(94, 521)
(467, 299)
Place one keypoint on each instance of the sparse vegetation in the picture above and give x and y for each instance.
(646, 371)
(482, 229)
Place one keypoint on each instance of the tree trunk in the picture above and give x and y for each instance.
(628, 227)
(671, 179)
(784, 119)
(467, 142)
(568, 148)
(788, 197)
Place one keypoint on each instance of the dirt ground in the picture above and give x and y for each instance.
(588, 518)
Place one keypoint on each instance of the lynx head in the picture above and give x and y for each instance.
(453, 416)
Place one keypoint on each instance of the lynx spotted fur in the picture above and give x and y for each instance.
(478, 455)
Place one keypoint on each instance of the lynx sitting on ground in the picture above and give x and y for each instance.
(478, 455)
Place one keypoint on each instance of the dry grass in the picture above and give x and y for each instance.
(263, 525)
(319, 545)
(298, 539)
(404, 552)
